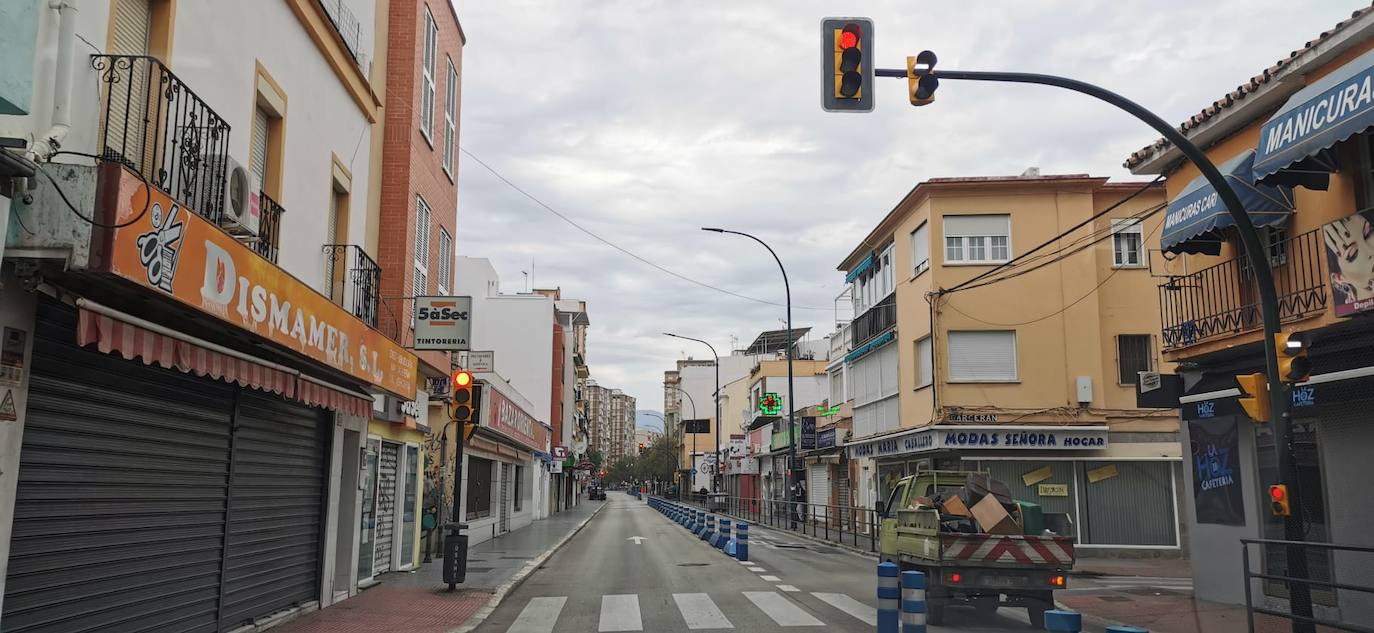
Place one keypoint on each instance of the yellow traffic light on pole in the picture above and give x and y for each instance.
(920, 80)
(847, 64)
(1294, 366)
(1254, 396)
(1278, 500)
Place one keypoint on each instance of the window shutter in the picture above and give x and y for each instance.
(966, 225)
(920, 248)
(989, 355)
(257, 158)
(132, 20)
(925, 370)
(126, 131)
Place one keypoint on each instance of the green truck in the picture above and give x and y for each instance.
(985, 571)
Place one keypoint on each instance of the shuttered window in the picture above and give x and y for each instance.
(925, 365)
(977, 239)
(445, 260)
(1134, 354)
(920, 249)
(124, 130)
(257, 157)
(982, 356)
(427, 72)
(421, 283)
(450, 116)
(132, 21)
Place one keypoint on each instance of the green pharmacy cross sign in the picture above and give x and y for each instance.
(770, 404)
(826, 412)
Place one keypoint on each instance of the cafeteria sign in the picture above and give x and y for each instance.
(173, 251)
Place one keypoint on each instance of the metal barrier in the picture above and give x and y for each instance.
(1251, 609)
(856, 527)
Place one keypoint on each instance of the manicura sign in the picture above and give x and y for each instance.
(176, 252)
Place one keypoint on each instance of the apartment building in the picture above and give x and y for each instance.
(1295, 143)
(599, 417)
(970, 348)
(621, 422)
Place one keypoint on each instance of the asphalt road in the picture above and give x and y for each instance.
(603, 581)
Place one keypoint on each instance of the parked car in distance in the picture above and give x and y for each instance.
(596, 493)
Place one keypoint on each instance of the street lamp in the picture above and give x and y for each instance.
(791, 418)
(715, 431)
(690, 479)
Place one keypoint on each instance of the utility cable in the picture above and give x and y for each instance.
(622, 249)
(147, 194)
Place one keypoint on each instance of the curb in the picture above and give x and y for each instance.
(497, 596)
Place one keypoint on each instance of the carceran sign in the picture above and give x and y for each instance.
(443, 323)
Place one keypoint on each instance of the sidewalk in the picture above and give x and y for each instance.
(418, 601)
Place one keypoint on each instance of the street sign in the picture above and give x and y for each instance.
(443, 323)
(808, 433)
(694, 471)
(481, 362)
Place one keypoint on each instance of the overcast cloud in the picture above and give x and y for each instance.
(646, 119)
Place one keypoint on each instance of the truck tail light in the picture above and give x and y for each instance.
(1057, 581)
(955, 578)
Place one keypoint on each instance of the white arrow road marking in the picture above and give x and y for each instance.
(639, 540)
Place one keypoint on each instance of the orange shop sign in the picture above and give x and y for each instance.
(178, 253)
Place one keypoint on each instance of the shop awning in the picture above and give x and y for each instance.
(1197, 214)
(1295, 143)
(113, 332)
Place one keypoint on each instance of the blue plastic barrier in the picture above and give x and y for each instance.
(1063, 621)
(742, 541)
(913, 602)
(722, 537)
(889, 596)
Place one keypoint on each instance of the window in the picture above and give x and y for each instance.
(1134, 353)
(478, 488)
(450, 115)
(920, 249)
(925, 363)
(427, 71)
(887, 279)
(837, 395)
(420, 284)
(1128, 239)
(977, 239)
(515, 487)
(982, 356)
(445, 260)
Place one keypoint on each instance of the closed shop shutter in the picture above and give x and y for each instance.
(842, 496)
(386, 505)
(273, 549)
(1136, 507)
(120, 507)
(818, 490)
(505, 497)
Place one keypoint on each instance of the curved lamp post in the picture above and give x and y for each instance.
(716, 430)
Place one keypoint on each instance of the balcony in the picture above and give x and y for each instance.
(268, 240)
(354, 280)
(876, 320)
(1223, 300)
(153, 124)
(347, 26)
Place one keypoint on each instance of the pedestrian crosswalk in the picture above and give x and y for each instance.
(698, 611)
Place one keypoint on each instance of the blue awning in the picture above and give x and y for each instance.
(1297, 139)
(859, 270)
(1197, 213)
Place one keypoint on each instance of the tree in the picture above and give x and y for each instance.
(594, 456)
(623, 470)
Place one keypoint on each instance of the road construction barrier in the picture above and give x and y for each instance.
(710, 530)
(742, 542)
(889, 596)
(1063, 621)
(723, 536)
(913, 602)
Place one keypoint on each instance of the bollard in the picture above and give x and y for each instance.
(724, 536)
(889, 595)
(1121, 628)
(710, 530)
(742, 542)
(701, 523)
(913, 602)
(1063, 621)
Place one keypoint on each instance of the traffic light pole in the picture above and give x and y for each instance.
(1279, 396)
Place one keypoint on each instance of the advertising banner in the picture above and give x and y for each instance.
(173, 251)
(1217, 494)
(1350, 258)
(507, 418)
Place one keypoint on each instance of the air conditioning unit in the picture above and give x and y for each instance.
(242, 197)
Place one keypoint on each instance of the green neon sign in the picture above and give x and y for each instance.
(770, 404)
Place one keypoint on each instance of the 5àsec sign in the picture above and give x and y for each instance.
(443, 323)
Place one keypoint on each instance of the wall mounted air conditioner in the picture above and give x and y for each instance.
(242, 198)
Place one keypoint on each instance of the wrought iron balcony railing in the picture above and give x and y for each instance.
(268, 241)
(1223, 300)
(875, 320)
(354, 280)
(152, 123)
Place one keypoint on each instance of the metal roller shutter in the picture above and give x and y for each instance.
(119, 515)
(1136, 507)
(386, 506)
(275, 507)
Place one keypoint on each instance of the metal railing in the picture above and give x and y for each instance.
(152, 123)
(346, 25)
(1223, 300)
(855, 527)
(354, 280)
(268, 242)
(875, 320)
(1353, 567)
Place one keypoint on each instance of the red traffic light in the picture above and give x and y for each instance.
(1278, 493)
(462, 379)
(849, 36)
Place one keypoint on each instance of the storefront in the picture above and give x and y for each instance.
(186, 463)
(1116, 496)
(505, 482)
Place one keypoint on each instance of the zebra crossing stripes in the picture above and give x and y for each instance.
(539, 616)
(621, 612)
(849, 605)
(700, 612)
(781, 610)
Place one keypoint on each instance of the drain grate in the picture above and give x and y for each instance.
(693, 564)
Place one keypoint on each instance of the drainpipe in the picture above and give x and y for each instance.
(48, 144)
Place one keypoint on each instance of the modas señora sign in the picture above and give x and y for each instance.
(172, 250)
(443, 323)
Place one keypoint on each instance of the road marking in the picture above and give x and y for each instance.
(700, 612)
(784, 612)
(639, 540)
(770, 578)
(756, 569)
(538, 616)
(788, 588)
(620, 613)
(867, 614)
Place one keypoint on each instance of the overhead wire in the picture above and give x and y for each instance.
(147, 193)
(620, 248)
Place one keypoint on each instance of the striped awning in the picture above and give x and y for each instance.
(131, 341)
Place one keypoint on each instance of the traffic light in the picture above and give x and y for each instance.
(847, 64)
(1278, 500)
(1254, 396)
(920, 87)
(463, 408)
(1294, 366)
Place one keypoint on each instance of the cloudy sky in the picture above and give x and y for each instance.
(643, 120)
